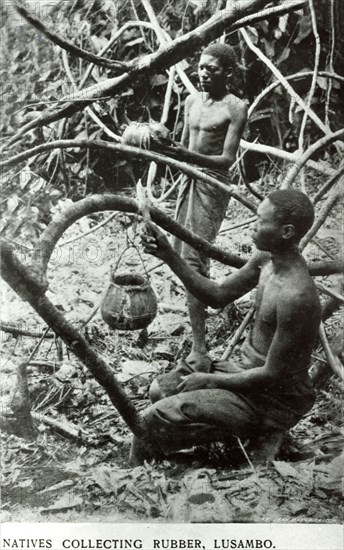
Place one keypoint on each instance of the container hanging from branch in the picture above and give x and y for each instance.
(130, 302)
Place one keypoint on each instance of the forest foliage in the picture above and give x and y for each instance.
(35, 74)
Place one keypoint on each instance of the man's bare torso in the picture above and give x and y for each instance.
(208, 122)
(293, 284)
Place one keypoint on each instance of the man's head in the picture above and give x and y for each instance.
(284, 217)
(215, 66)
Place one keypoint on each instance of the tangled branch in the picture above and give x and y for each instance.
(127, 151)
(317, 146)
(169, 55)
(97, 203)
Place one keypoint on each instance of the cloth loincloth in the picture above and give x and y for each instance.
(181, 420)
(201, 208)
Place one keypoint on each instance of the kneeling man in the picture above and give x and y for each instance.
(269, 389)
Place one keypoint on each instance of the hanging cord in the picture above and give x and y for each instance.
(132, 245)
(113, 270)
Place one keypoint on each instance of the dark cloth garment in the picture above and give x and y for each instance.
(180, 420)
(201, 208)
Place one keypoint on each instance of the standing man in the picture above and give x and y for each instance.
(269, 389)
(214, 121)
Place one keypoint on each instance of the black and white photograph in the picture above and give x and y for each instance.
(172, 274)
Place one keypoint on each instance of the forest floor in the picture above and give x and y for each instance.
(84, 476)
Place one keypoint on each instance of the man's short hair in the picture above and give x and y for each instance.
(223, 52)
(293, 206)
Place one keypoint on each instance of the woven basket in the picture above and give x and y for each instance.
(129, 303)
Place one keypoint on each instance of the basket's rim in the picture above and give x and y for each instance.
(124, 278)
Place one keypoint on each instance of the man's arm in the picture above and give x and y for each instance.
(238, 119)
(211, 293)
(234, 133)
(186, 129)
(290, 349)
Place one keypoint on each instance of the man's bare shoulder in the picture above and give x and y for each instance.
(237, 107)
(192, 98)
(299, 296)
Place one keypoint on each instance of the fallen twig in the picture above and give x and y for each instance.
(92, 230)
(237, 335)
(323, 248)
(16, 331)
(62, 427)
(245, 454)
(171, 307)
(332, 359)
(237, 225)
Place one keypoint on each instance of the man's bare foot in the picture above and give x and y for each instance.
(199, 362)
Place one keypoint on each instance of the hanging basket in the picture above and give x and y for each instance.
(129, 303)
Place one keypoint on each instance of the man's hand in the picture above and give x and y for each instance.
(196, 381)
(154, 242)
(180, 149)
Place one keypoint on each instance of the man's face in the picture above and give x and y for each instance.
(267, 231)
(211, 73)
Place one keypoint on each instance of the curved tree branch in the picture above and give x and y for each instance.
(335, 195)
(128, 25)
(133, 152)
(295, 76)
(322, 167)
(97, 203)
(327, 185)
(317, 146)
(284, 82)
